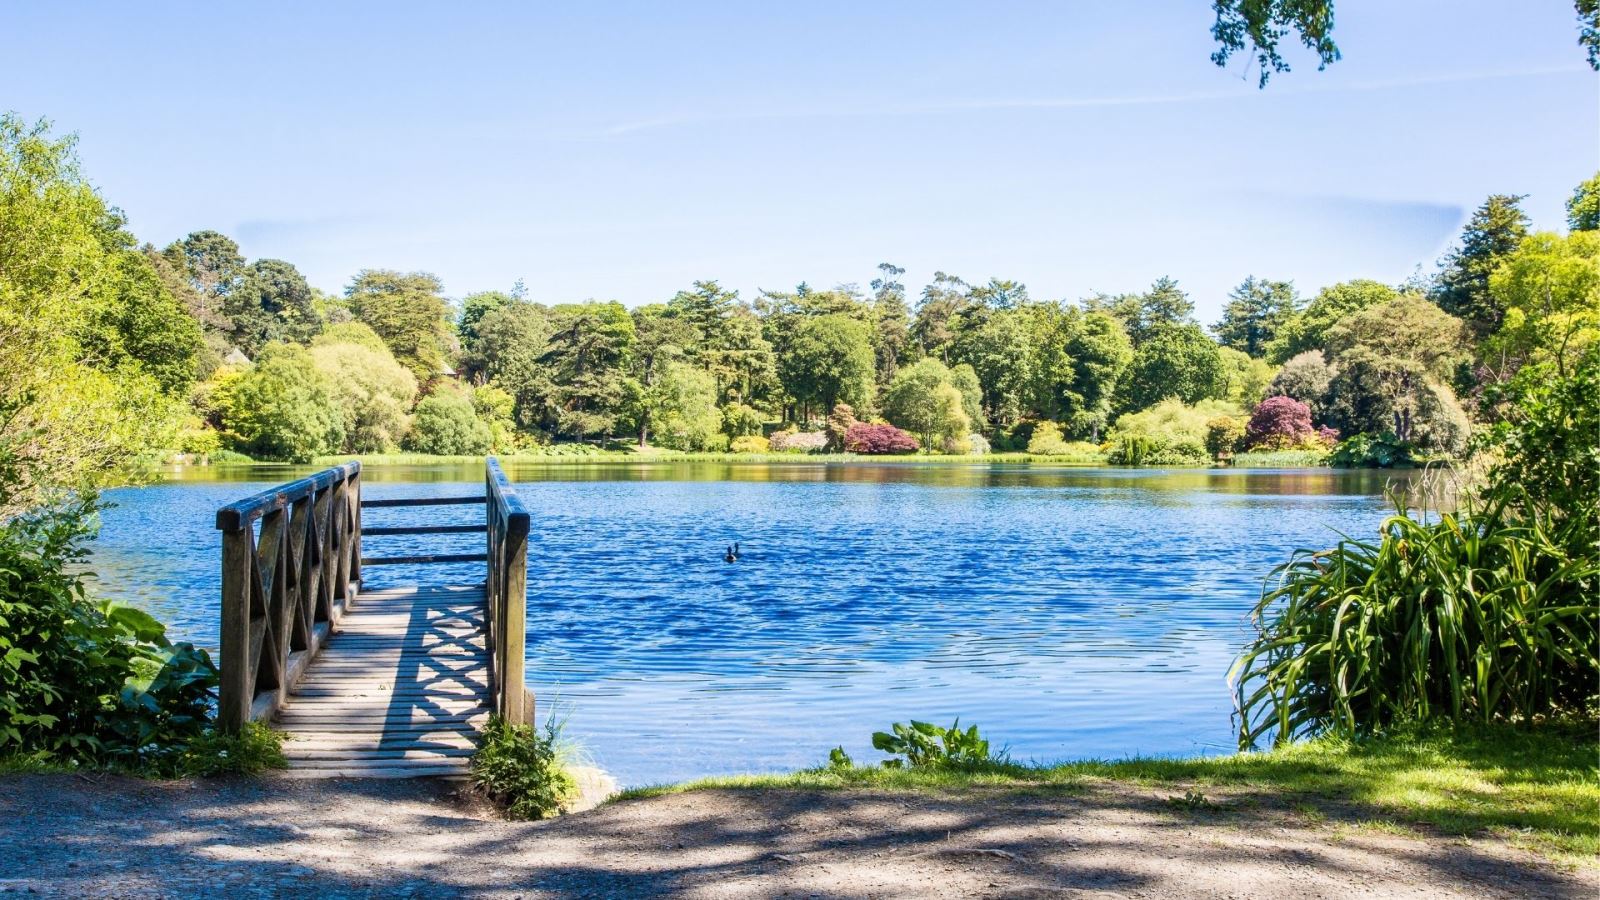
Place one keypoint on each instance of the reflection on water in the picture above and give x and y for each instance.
(1068, 611)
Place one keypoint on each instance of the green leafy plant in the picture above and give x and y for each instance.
(1371, 451)
(927, 746)
(255, 749)
(522, 768)
(1482, 614)
(96, 682)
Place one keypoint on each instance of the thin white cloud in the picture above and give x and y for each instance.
(1053, 103)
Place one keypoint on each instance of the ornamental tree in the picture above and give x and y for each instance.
(1278, 423)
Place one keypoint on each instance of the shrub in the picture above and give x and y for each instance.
(1278, 423)
(445, 424)
(1482, 614)
(282, 408)
(878, 439)
(739, 420)
(1167, 434)
(97, 682)
(522, 769)
(977, 444)
(1371, 451)
(1224, 435)
(840, 421)
(1046, 440)
(750, 443)
(1305, 377)
(714, 443)
(923, 745)
(799, 442)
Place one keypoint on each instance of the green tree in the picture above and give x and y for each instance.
(1244, 378)
(1002, 352)
(892, 318)
(1393, 366)
(1305, 377)
(67, 419)
(943, 301)
(925, 400)
(409, 312)
(1308, 329)
(1550, 291)
(509, 343)
(1583, 207)
(1256, 26)
(271, 302)
(1495, 230)
(681, 406)
(282, 408)
(1256, 311)
(446, 424)
(1177, 361)
(830, 361)
(372, 390)
(137, 325)
(706, 307)
(581, 384)
(210, 261)
(474, 307)
(661, 338)
(1164, 306)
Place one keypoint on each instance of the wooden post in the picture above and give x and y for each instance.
(514, 594)
(237, 687)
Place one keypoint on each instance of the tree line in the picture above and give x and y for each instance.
(213, 353)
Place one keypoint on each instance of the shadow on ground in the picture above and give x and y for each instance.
(73, 836)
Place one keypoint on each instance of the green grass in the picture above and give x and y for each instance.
(654, 454)
(252, 751)
(1539, 788)
(1280, 459)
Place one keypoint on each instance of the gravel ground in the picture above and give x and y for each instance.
(72, 836)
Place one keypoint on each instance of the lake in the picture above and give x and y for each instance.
(1068, 612)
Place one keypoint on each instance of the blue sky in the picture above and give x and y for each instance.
(621, 151)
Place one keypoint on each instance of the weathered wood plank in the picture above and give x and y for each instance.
(418, 501)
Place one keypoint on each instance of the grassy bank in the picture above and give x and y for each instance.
(1538, 788)
(654, 455)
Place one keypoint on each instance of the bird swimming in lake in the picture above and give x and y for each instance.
(730, 556)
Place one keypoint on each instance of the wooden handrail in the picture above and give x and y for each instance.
(505, 594)
(284, 588)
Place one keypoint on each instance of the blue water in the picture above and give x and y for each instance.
(1067, 612)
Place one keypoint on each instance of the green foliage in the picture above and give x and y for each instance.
(1495, 230)
(93, 682)
(1308, 329)
(830, 361)
(924, 399)
(1549, 289)
(1262, 23)
(923, 745)
(524, 770)
(446, 424)
(1142, 316)
(1257, 310)
(254, 750)
(1280, 459)
(1171, 433)
(1381, 450)
(1224, 436)
(1046, 440)
(371, 389)
(579, 385)
(682, 408)
(750, 443)
(1180, 362)
(271, 302)
(1394, 362)
(1583, 207)
(1305, 377)
(282, 408)
(1483, 614)
(409, 312)
(1245, 379)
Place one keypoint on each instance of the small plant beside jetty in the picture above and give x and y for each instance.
(524, 770)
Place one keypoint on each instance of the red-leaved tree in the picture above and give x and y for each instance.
(865, 438)
(1278, 423)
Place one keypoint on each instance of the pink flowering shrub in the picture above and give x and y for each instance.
(799, 442)
(865, 438)
(1279, 423)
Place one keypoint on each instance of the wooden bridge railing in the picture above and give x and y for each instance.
(505, 594)
(284, 590)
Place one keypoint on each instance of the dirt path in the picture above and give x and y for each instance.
(63, 835)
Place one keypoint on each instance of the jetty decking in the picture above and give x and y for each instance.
(376, 683)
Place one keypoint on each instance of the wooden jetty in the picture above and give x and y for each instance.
(372, 683)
